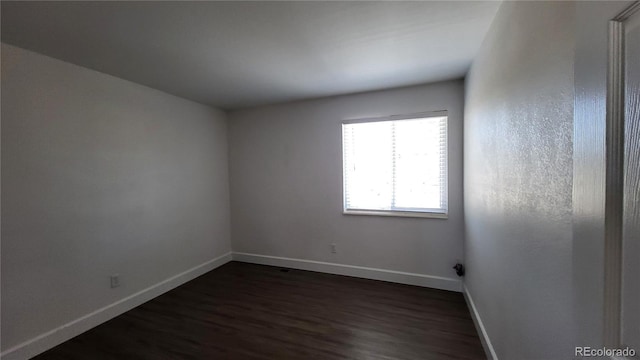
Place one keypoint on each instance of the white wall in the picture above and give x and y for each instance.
(286, 184)
(518, 180)
(100, 176)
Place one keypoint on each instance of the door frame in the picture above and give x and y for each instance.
(615, 177)
(599, 170)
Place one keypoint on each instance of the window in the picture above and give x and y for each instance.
(396, 166)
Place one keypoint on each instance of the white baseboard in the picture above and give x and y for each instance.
(436, 282)
(76, 327)
(484, 337)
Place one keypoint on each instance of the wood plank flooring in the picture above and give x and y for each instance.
(246, 311)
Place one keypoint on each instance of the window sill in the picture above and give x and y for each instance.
(412, 214)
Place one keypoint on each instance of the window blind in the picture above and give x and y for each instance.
(396, 165)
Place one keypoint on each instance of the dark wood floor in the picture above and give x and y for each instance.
(245, 311)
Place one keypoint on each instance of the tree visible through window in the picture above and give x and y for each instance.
(395, 165)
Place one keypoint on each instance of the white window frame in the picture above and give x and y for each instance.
(399, 213)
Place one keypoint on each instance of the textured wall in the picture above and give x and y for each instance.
(100, 176)
(518, 180)
(286, 184)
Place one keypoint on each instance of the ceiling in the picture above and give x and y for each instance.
(240, 54)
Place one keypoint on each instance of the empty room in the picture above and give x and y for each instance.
(394, 180)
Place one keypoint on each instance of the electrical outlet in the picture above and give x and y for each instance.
(334, 248)
(115, 280)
